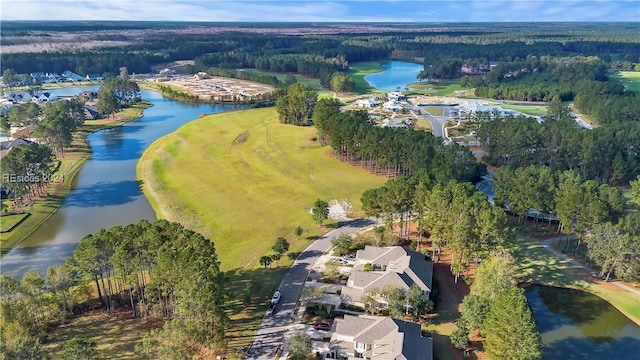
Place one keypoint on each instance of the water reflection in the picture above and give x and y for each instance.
(577, 325)
(106, 192)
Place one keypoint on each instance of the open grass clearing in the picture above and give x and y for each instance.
(9, 221)
(529, 109)
(434, 88)
(243, 198)
(540, 266)
(434, 110)
(630, 79)
(358, 70)
(423, 124)
(75, 157)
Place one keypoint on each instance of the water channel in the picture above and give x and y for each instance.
(105, 191)
(577, 325)
(396, 74)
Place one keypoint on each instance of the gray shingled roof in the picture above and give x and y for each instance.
(391, 339)
(403, 269)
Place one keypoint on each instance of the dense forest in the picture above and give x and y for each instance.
(318, 51)
(607, 153)
(389, 151)
(155, 271)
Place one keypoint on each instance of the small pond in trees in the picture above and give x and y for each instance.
(396, 75)
(577, 325)
(106, 191)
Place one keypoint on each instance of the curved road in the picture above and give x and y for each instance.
(273, 327)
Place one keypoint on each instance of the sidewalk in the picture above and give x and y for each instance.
(547, 245)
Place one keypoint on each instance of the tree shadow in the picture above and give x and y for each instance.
(104, 194)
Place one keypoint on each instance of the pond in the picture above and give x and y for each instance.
(577, 325)
(396, 75)
(105, 191)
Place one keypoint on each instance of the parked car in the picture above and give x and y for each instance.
(271, 309)
(322, 326)
(276, 297)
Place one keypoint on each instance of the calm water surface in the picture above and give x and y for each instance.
(577, 325)
(396, 74)
(106, 192)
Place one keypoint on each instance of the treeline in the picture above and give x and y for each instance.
(242, 75)
(607, 153)
(498, 309)
(393, 152)
(26, 173)
(585, 209)
(456, 216)
(313, 54)
(579, 79)
(159, 270)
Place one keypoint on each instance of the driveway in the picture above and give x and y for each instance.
(273, 327)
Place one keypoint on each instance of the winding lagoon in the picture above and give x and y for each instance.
(396, 74)
(105, 191)
(577, 325)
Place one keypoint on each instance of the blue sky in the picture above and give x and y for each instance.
(329, 11)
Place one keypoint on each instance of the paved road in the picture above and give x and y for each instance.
(273, 327)
(437, 122)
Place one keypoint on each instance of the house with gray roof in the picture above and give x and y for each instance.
(379, 338)
(390, 266)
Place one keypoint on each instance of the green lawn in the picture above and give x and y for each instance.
(76, 155)
(9, 221)
(539, 265)
(530, 109)
(244, 197)
(434, 110)
(630, 79)
(434, 88)
(359, 70)
(423, 124)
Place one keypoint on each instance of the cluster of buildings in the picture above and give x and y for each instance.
(380, 337)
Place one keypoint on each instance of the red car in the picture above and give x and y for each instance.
(322, 326)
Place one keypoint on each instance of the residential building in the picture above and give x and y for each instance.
(368, 103)
(476, 107)
(6, 146)
(44, 97)
(392, 266)
(94, 77)
(91, 112)
(392, 106)
(71, 76)
(396, 96)
(379, 338)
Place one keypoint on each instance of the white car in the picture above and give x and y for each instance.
(276, 297)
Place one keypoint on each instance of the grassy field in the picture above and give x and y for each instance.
(630, 79)
(434, 110)
(424, 124)
(539, 265)
(434, 88)
(359, 70)
(77, 154)
(530, 109)
(244, 196)
(9, 221)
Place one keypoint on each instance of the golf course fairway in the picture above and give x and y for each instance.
(242, 179)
